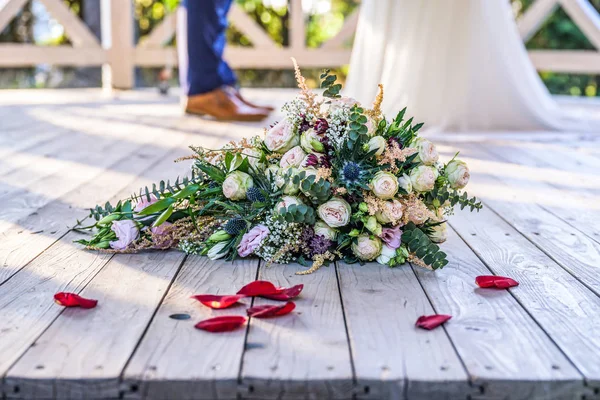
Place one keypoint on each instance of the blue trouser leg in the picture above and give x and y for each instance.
(201, 63)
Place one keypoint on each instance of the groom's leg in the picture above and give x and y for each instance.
(201, 44)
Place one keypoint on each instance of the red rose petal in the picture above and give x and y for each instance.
(214, 301)
(493, 281)
(267, 311)
(258, 288)
(285, 293)
(224, 323)
(432, 321)
(73, 300)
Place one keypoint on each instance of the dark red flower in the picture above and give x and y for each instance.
(74, 300)
(214, 301)
(224, 323)
(432, 321)
(493, 281)
(321, 126)
(268, 311)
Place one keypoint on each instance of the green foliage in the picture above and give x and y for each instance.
(300, 213)
(421, 246)
(332, 89)
(358, 130)
(166, 188)
(318, 190)
(405, 132)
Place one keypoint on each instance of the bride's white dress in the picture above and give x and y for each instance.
(457, 65)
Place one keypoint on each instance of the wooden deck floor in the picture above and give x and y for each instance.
(352, 335)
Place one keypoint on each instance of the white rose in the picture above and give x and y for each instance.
(321, 228)
(292, 158)
(335, 212)
(215, 252)
(423, 178)
(439, 233)
(367, 247)
(384, 185)
(391, 213)
(331, 105)
(282, 137)
(254, 155)
(311, 142)
(405, 183)
(428, 155)
(386, 255)
(126, 231)
(236, 185)
(458, 174)
(287, 201)
(377, 142)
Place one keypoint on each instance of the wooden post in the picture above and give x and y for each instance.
(118, 40)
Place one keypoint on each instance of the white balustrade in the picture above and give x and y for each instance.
(119, 54)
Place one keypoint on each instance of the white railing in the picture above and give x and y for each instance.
(119, 55)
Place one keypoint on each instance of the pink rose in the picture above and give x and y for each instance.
(252, 239)
(392, 236)
(126, 231)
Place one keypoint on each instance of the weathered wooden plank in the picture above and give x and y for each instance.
(81, 355)
(569, 247)
(26, 304)
(504, 351)
(45, 225)
(174, 360)
(559, 303)
(303, 355)
(392, 357)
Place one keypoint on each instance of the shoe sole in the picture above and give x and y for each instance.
(247, 118)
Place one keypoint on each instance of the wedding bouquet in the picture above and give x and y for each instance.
(332, 180)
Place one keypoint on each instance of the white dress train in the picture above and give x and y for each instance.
(457, 65)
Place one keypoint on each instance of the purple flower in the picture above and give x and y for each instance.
(252, 239)
(126, 231)
(319, 244)
(161, 229)
(321, 126)
(392, 236)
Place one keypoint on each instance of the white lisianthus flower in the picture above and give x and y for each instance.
(126, 231)
(292, 158)
(405, 183)
(321, 228)
(254, 155)
(439, 233)
(423, 178)
(336, 212)
(282, 137)
(391, 212)
(376, 142)
(458, 174)
(215, 252)
(287, 201)
(386, 255)
(311, 142)
(384, 185)
(236, 185)
(367, 247)
(428, 154)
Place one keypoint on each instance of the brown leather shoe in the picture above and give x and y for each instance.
(223, 105)
(237, 94)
